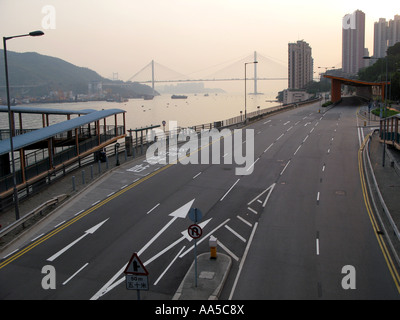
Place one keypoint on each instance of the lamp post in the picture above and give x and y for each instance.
(384, 106)
(10, 122)
(245, 88)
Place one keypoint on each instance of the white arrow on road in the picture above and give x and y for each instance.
(178, 213)
(87, 232)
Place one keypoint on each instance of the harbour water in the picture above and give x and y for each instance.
(195, 110)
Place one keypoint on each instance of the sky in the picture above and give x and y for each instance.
(189, 36)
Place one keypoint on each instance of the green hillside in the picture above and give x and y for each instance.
(35, 75)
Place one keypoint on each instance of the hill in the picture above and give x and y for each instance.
(33, 75)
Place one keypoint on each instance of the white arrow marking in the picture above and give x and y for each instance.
(87, 232)
(270, 189)
(178, 213)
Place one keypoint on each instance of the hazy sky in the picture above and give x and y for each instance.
(188, 36)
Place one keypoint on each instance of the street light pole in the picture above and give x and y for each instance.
(10, 122)
(245, 88)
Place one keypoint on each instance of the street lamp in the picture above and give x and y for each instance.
(12, 129)
(384, 113)
(245, 88)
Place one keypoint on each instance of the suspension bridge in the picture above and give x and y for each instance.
(149, 73)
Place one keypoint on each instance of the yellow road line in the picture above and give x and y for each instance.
(381, 242)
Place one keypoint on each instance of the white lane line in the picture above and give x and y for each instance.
(196, 175)
(169, 266)
(84, 266)
(244, 221)
(229, 190)
(153, 208)
(305, 139)
(280, 136)
(252, 210)
(123, 187)
(10, 254)
(37, 237)
(110, 194)
(286, 123)
(285, 168)
(268, 147)
(59, 224)
(252, 164)
(243, 260)
(317, 245)
(312, 130)
(93, 204)
(323, 168)
(220, 244)
(297, 149)
(289, 129)
(78, 212)
(318, 194)
(235, 233)
(267, 121)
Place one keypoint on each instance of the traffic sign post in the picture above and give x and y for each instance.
(136, 275)
(195, 232)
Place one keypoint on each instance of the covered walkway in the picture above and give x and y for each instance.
(364, 89)
(55, 147)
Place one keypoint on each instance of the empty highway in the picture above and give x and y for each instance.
(290, 226)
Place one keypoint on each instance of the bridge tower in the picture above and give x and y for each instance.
(255, 73)
(152, 75)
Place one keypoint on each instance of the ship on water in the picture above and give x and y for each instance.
(178, 97)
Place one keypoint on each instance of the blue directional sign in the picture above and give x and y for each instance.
(195, 215)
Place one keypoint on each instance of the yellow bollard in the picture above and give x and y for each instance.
(213, 247)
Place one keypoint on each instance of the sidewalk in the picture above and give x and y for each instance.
(388, 181)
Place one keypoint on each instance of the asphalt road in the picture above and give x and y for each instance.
(290, 226)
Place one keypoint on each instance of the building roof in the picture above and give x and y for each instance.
(32, 137)
(38, 110)
(356, 83)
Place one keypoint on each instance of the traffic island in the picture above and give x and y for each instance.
(211, 276)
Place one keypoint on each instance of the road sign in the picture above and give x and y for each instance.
(134, 282)
(136, 267)
(195, 215)
(195, 231)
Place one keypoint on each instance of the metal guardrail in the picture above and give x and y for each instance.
(31, 214)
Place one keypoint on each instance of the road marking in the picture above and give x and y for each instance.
(37, 237)
(305, 138)
(66, 281)
(196, 175)
(252, 164)
(243, 260)
(229, 190)
(93, 204)
(87, 232)
(59, 224)
(318, 194)
(285, 168)
(244, 221)
(312, 130)
(123, 187)
(289, 129)
(323, 168)
(252, 210)
(286, 123)
(79, 212)
(297, 149)
(220, 244)
(267, 121)
(169, 266)
(268, 147)
(317, 245)
(153, 208)
(110, 194)
(280, 136)
(235, 233)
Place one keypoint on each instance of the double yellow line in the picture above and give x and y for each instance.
(391, 265)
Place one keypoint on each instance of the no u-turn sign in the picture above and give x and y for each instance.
(195, 231)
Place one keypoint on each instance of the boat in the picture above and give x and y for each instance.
(178, 97)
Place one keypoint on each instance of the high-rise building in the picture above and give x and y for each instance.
(386, 34)
(380, 38)
(394, 31)
(353, 42)
(301, 66)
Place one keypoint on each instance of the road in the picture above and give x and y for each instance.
(290, 226)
